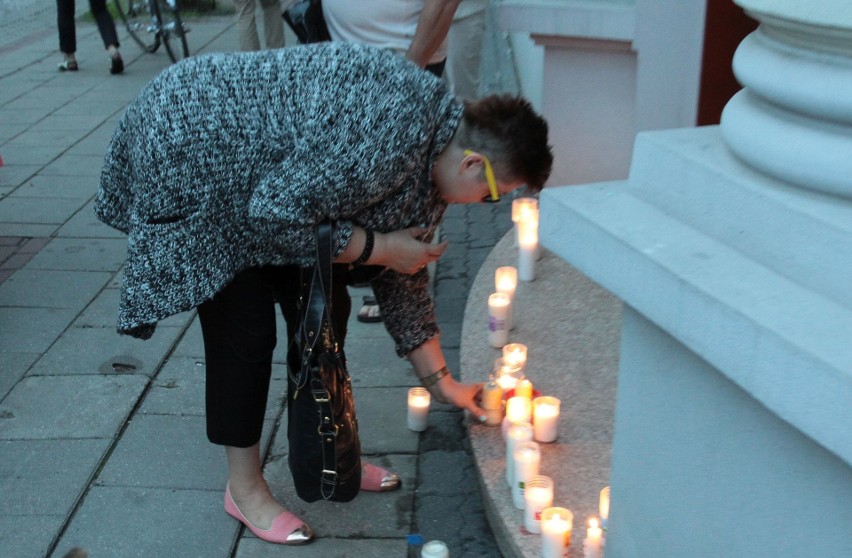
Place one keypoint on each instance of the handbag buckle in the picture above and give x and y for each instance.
(322, 396)
(321, 433)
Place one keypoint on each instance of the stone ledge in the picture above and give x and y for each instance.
(571, 327)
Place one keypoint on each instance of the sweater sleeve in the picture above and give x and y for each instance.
(407, 309)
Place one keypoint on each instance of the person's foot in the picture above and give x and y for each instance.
(378, 479)
(68, 66)
(116, 64)
(370, 312)
(267, 519)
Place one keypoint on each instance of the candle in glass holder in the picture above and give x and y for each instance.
(527, 248)
(507, 375)
(527, 456)
(593, 545)
(556, 526)
(524, 388)
(603, 506)
(498, 310)
(545, 418)
(418, 408)
(538, 495)
(435, 549)
(522, 208)
(518, 409)
(519, 432)
(506, 281)
(492, 402)
(515, 354)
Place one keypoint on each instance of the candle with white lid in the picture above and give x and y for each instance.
(556, 526)
(527, 456)
(538, 495)
(507, 375)
(515, 353)
(506, 281)
(545, 418)
(603, 506)
(518, 432)
(527, 248)
(498, 309)
(435, 549)
(524, 388)
(593, 545)
(418, 408)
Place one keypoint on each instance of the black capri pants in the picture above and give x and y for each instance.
(238, 326)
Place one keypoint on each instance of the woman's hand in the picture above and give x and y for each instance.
(464, 396)
(403, 251)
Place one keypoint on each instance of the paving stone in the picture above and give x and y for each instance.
(251, 547)
(52, 289)
(43, 408)
(84, 224)
(161, 451)
(45, 477)
(16, 174)
(26, 536)
(35, 329)
(83, 350)
(382, 421)
(13, 366)
(123, 521)
(15, 209)
(83, 254)
(41, 186)
(103, 312)
(373, 362)
(27, 229)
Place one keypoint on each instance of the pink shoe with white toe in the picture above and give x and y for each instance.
(377, 479)
(285, 529)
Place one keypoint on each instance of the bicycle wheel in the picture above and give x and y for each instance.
(139, 22)
(172, 30)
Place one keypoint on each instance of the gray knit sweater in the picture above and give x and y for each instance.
(227, 161)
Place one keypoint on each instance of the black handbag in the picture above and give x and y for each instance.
(322, 429)
(307, 22)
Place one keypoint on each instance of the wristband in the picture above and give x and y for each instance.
(368, 249)
(434, 378)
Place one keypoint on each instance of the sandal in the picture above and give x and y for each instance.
(68, 66)
(378, 479)
(116, 64)
(370, 312)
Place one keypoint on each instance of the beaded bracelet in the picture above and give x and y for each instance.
(435, 377)
(368, 249)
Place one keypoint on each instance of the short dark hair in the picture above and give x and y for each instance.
(512, 135)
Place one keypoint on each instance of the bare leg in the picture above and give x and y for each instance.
(249, 488)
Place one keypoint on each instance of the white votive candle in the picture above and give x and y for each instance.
(515, 354)
(507, 375)
(527, 456)
(418, 408)
(593, 545)
(435, 549)
(506, 281)
(603, 506)
(538, 495)
(518, 410)
(556, 527)
(519, 432)
(545, 418)
(498, 310)
(527, 248)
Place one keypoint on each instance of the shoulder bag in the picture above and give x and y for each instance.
(307, 22)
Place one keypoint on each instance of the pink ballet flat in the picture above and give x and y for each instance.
(376, 479)
(285, 529)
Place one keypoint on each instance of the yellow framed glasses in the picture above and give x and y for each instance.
(489, 177)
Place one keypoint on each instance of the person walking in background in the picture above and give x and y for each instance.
(273, 24)
(220, 196)
(416, 29)
(65, 10)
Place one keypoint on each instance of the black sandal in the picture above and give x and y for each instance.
(370, 312)
(68, 66)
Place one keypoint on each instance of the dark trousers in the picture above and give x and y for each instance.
(68, 32)
(239, 331)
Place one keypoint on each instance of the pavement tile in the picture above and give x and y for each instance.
(251, 547)
(45, 477)
(13, 174)
(84, 224)
(13, 366)
(32, 330)
(37, 154)
(27, 229)
(118, 521)
(43, 408)
(16, 209)
(96, 351)
(168, 451)
(103, 312)
(84, 254)
(179, 390)
(44, 288)
(372, 362)
(41, 186)
(75, 165)
(369, 515)
(382, 421)
(191, 345)
(26, 536)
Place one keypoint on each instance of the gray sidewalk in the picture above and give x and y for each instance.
(102, 441)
